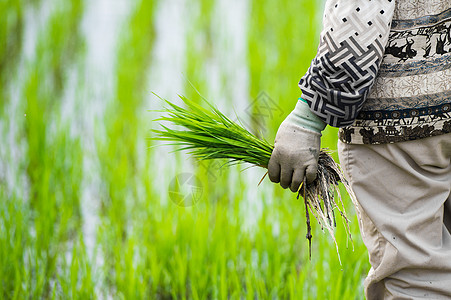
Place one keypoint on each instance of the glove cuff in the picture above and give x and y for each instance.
(304, 117)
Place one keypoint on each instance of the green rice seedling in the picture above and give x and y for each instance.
(208, 134)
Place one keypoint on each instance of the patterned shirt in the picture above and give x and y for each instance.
(382, 72)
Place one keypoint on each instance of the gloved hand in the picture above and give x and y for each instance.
(296, 148)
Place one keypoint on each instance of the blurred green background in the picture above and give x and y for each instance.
(91, 207)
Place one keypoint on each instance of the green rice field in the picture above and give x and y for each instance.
(92, 208)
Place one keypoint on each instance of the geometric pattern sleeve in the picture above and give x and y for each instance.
(351, 49)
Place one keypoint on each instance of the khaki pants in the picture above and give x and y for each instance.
(404, 195)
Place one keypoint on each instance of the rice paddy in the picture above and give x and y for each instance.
(91, 209)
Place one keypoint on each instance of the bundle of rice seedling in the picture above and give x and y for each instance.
(209, 134)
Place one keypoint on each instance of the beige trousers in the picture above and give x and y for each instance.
(404, 195)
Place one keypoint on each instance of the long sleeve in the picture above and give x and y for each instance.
(351, 49)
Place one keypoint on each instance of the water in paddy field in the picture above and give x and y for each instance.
(89, 204)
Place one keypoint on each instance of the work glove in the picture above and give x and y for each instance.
(296, 148)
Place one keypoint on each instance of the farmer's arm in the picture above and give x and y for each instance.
(335, 86)
(349, 55)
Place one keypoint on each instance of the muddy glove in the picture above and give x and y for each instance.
(296, 148)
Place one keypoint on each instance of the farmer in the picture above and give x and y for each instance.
(382, 74)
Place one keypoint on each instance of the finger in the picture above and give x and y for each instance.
(298, 177)
(274, 169)
(286, 174)
(310, 172)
